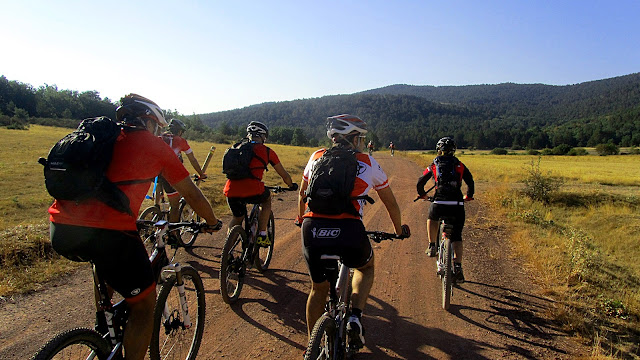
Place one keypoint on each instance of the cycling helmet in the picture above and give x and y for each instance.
(446, 145)
(345, 124)
(134, 106)
(258, 128)
(176, 125)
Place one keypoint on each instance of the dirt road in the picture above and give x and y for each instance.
(496, 314)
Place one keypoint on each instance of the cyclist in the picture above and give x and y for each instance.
(370, 147)
(448, 199)
(179, 145)
(352, 243)
(90, 230)
(392, 147)
(251, 190)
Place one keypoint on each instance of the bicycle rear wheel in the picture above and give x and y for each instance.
(446, 255)
(232, 267)
(170, 339)
(264, 254)
(323, 340)
(79, 343)
(187, 239)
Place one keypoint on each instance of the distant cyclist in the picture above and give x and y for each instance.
(392, 147)
(251, 190)
(448, 173)
(370, 147)
(179, 145)
(91, 230)
(347, 133)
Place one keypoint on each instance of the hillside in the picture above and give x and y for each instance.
(481, 116)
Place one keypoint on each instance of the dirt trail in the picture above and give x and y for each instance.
(496, 314)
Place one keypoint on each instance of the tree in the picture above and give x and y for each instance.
(607, 149)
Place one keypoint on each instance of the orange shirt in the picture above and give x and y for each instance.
(250, 187)
(137, 155)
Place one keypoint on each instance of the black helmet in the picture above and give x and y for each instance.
(258, 128)
(134, 106)
(446, 145)
(176, 125)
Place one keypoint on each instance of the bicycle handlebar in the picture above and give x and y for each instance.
(378, 236)
(277, 189)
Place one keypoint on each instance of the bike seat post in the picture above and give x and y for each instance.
(334, 273)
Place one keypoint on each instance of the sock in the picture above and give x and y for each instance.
(263, 233)
(357, 312)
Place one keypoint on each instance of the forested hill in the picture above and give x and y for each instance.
(481, 116)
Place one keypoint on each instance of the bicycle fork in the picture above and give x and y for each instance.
(176, 269)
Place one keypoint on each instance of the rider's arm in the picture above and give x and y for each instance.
(389, 201)
(468, 179)
(301, 203)
(422, 182)
(195, 164)
(196, 199)
(283, 174)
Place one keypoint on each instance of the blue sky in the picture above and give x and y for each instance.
(206, 56)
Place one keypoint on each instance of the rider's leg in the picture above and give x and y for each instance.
(265, 212)
(174, 203)
(432, 230)
(457, 252)
(315, 303)
(137, 334)
(361, 284)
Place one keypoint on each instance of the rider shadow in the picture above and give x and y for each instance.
(285, 306)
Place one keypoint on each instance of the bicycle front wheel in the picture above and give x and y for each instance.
(171, 338)
(446, 255)
(232, 267)
(80, 343)
(264, 254)
(323, 340)
(154, 214)
(187, 214)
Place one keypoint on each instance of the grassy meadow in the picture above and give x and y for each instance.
(582, 245)
(26, 256)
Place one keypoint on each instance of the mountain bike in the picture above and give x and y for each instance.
(178, 316)
(329, 339)
(160, 208)
(240, 252)
(444, 260)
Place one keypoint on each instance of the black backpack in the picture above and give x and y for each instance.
(76, 165)
(332, 179)
(448, 180)
(237, 159)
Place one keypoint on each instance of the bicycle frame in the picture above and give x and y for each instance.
(339, 304)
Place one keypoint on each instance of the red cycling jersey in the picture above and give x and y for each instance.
(250, 187)
(137, 155)
(177, 143)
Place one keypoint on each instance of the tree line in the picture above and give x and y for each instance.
(413, 117)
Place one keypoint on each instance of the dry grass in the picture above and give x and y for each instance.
(583, 246)
(26, 256)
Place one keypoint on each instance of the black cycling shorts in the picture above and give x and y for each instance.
(168, 189)
(454, 212)
(343, 237)
(238, 206)
(119, 256)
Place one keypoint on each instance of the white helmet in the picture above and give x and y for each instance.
(256, 127)
(345, 124)
(134, 106)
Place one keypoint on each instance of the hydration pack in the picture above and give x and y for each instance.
(448, 179)
(333, 177)
(76, 165)
(236, 162)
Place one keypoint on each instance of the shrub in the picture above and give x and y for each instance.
(607, 149)
(533, 152)
(538, 186)
(499, 151)
(577, 152)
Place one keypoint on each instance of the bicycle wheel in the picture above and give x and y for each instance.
(187, 238)
(170, 339)
(151, 213)
(447, 275)
(232, 267)
(264, 254)
(79, 343)
(322, 342)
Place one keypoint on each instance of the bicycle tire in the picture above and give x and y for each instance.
(186, 238)
(146, 233)
(447, 276)
(170, 339)
(322, 342)
(231, 266)
(76, 343)
(264, 254)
